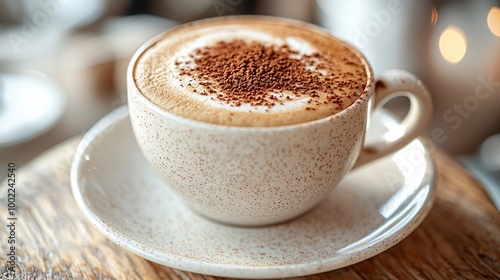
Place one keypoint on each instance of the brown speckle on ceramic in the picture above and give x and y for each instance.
(249, 176)
(264, 174)
(372, 209)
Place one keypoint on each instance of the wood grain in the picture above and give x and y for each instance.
(460, 239)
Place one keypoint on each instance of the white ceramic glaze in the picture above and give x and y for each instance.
(264, 175)
(372, 209)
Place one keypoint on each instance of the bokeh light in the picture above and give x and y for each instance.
(453, 44)
(494, 21)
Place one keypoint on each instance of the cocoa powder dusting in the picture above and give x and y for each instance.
(238, 72)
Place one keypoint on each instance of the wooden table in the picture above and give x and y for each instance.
(460, 238)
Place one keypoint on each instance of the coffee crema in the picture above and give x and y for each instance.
(250, 71)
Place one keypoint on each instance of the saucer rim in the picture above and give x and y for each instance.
(232, 270)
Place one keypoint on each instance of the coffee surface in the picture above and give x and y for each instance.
(250, 71)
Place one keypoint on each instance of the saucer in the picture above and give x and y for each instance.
(372, 209)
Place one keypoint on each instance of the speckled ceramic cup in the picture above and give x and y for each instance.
(255, 176)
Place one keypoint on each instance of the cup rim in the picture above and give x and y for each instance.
(363, 98)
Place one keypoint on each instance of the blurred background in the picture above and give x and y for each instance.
(63, 62)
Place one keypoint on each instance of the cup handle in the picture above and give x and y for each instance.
(391, 84)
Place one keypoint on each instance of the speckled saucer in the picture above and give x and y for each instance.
(372, 209)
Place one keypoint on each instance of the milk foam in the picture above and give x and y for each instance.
(158, 75)
(210, 36)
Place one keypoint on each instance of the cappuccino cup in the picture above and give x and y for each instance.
(254, 120)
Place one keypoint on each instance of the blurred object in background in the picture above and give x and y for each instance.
(490, 154)
(30, 104)
(117, 7)
(181, 10)
(391, 33)
(20, 43)
(35, 35)
(97, 61)
(67, 14)
(189, 10)
(34, 30)
(124, 35)
(10, 10)
(295, 9)
(486, 166)
(463, 74)
(35, 27)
